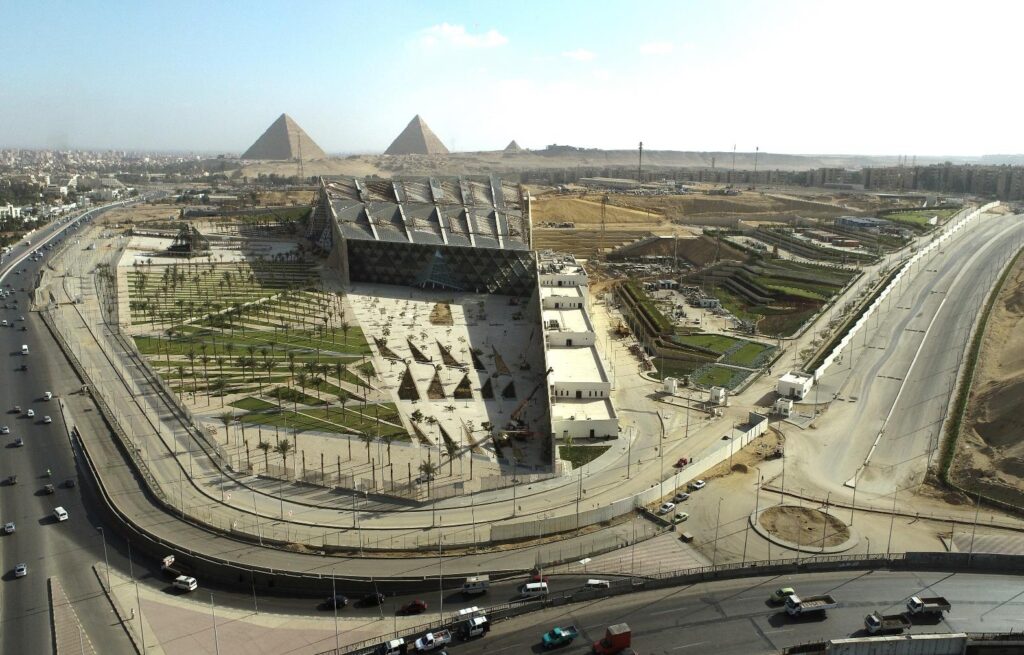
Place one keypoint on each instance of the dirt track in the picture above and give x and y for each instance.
(990, 452)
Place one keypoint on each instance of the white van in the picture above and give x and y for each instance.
(477, 584)
(60, 513)
(594, 583)
(24, 350)
(185, 583)
(534, 590)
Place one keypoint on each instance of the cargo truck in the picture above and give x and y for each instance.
(617, 638)
(797, 606)
(433, 640)
(559, 636)
(876, 623)
(928, 605)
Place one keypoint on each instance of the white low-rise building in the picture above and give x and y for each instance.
(794, 385)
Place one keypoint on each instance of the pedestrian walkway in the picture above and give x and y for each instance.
(68, 636)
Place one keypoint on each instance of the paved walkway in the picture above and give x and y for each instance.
(68, 636)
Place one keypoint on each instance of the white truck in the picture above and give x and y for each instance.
(797, 606)
(928, 605)
(433, 641)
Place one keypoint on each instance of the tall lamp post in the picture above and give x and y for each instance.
(718, 522)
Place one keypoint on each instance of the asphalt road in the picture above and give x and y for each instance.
(734, 617)
(66, 549)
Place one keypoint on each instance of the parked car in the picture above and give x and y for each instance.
(680, 517)
(697, 484)
(666, 508)
(680, 497)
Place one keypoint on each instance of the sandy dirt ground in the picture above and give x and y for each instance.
(804, 525)
(990, 452)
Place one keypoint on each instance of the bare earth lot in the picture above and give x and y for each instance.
(990, 452)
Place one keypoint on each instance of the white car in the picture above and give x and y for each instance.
(9, 527)
(666, 508)
(5, 430)
(47, 419)
(697, 484)
(47, 395)
(60, 513)
(21, 570)
(30, 412)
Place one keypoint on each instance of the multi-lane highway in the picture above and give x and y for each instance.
(734, 617)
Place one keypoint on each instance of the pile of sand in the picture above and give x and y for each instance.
(804, 525)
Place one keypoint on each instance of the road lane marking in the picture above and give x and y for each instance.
(699, 643)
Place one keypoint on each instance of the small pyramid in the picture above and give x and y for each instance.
(513, 147)
(416, 139)
(284, 139)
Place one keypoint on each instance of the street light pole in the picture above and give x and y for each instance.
(892, 519)
(718, 522)
(106, 562)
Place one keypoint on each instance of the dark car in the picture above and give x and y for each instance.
(12, 479)
(336, 601)
(414, 607)
(49, 489)
(69, 483)
(372, 599)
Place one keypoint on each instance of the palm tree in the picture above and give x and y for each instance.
(226, 418)
(265, 447)
(367, 439)
(429, 470)
(205, 359)
(303, 379)
(342, 398)
(452, 449)
(283, 448)
(181, 379)
(220, 386)
(191, 357)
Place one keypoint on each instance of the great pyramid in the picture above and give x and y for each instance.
(416, 139)
(284, 139)
(513, 147)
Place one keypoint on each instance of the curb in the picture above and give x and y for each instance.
(124, 620)
(801, 548)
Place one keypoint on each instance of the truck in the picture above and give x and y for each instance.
(433, 640)
(393, 647)
(175, 569)
(476, 626)
(476, 584)
(876, 623)
(797, 606)
(928, 605)
(616, 639)
(559, 636)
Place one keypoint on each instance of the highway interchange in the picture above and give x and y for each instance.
(69, 549)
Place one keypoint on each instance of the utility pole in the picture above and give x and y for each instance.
(756, 150)
(640, 165)
(718, 522)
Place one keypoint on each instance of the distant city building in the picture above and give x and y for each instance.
(608, 183)
(865, 223)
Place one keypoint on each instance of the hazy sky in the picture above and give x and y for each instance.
(864, 77)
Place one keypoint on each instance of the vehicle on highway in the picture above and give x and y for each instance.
(47, 395)
(680, 517)
(557, 636)
(9, 527)
(476, 626)
(371, 600)
(781, 594)
(69, 483)
(12, 479)
(928, 605)
(413, 607)
(3, 323)
(60, 513)
(16, 410)
(534, 590)
(476, 584)
(537, 576)
(876, 623)
(30, 412)
(617, 638)
(393, 647)
(186, 583)
(21, 570)
(595, 583)
(697, 485)
(681, 462)
(19, 442)
(49, 489)
(681, 497)
(24, 349)
(797, 606)
(666, 508)
(336, 602)
(433, 640)
(23, 367)
(47, 419)
(4, 429)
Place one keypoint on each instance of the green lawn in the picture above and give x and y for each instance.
(581, 455)
(922, 216)
(717, 376)
(716, 342)
(747, 355)
(334, 420)
(251, 404)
